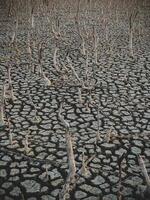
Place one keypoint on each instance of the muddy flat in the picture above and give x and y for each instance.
(83, 69)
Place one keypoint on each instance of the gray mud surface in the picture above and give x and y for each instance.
(121, 88)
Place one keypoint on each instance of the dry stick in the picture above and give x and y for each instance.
(58, 26)
(40, 50)
(84, 165)
(53, 31)
(10, 133)
(2, 123)
(144, 172)
(131, 26)
(72, 166)
(36, 118)
(46, 80)
(139, 30)
(65, 123)
(10, 8)
(13, 38)
(77, 17)
(10, 87)
(32, 17)
(14, 32)
(80, 96)
(29, 51)
(131, 38)
(85, 30)
(83, 46)
(55, 60)
(95, 45)
(65, 68)
(56, 34)
(86, 67)
(109, 135)
(106, 29)
(73, 70)
(111, 45)
(120, 176)
(26, 144)
(98, 124)
(116, 13)
(83, 169)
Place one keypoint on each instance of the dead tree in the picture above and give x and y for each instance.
(71, 160)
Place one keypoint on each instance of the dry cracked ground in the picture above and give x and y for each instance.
(117, 105)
